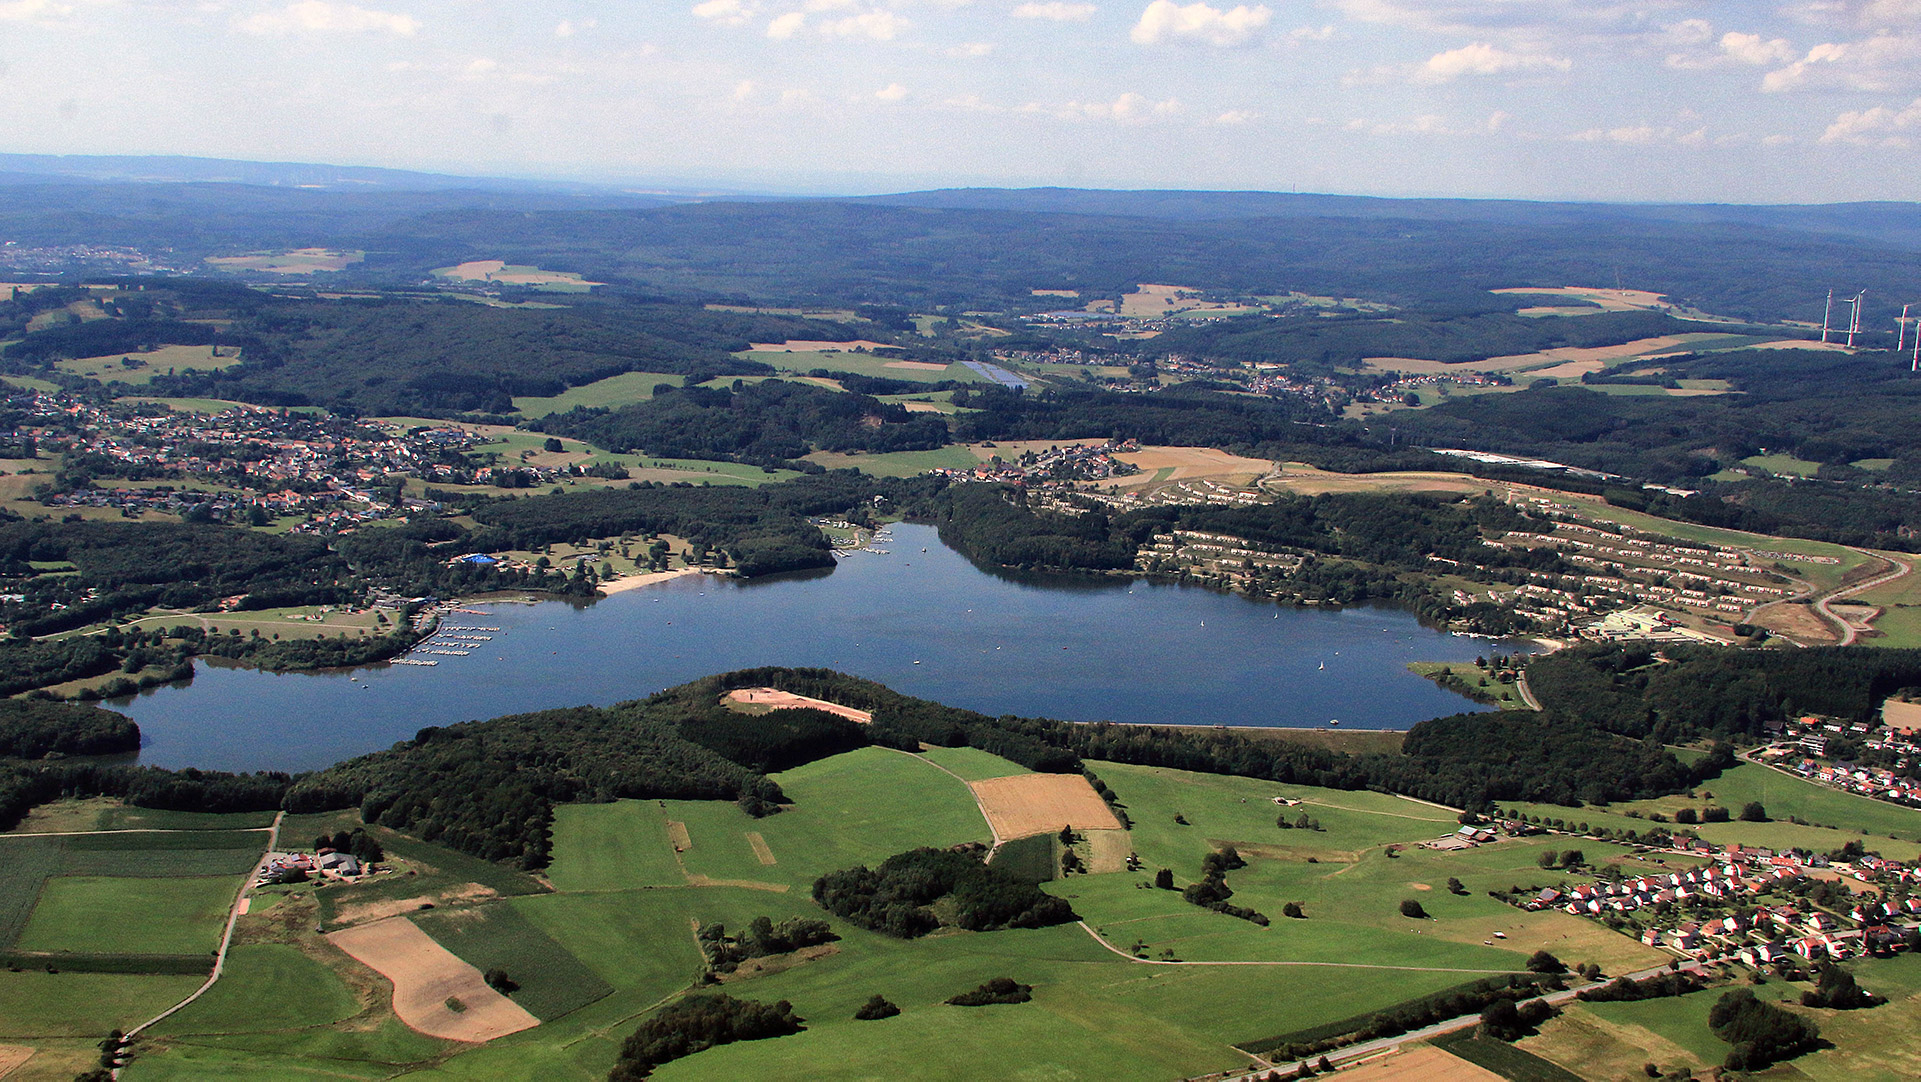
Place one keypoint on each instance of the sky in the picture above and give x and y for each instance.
(1656, 100)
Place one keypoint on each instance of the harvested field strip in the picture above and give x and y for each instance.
(787, 700)
(552, 980)
(759, 845)
(1040, 803)
(426, 976)
(1423, 1063)
(677, 833)
(13, 1057)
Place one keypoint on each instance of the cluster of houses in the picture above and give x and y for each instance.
(301, 867)
(1077, 462)
(1762, 935)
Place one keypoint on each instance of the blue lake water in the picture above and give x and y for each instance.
(926, 623)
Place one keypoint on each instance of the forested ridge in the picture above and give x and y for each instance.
(489, 787)
(770, 423)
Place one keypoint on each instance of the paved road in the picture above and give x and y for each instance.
(1385, 1044)
(1520, 685)
(1327, 965)
(1848, 631)
(226, 937)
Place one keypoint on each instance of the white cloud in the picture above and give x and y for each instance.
(1056, 11)
(1481, 58)
(726, 12)
(1879, 126)
(1750, 49)
(969, 50)
(32, 11)
(1647, 135)
(1237, 116)
(1129, 108)
(568, 28)
(1166, 21)
(318, 16)
(786, 26)
(1310, 33)
(874, 25)
(891, 92)
(744, 90)
(1883, 62)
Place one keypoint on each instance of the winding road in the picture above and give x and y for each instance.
(1849, 633)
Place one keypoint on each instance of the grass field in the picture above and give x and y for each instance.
(973, 764)
(129, 865)
(552, 981)
(1787, 465)
(266, 987)
(610, 393)
(624, 908)
(36, 1004)
(99, 915)
(865, 364)
(157, 362)
(616, 846)
(899, 463)
(1784, 795)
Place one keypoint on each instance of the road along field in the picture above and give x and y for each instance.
(1028, 804)
(429, 980)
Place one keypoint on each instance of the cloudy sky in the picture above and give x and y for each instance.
(1799, 101)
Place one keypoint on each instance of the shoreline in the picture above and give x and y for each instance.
(652, 578)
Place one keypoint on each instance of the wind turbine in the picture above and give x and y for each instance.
(1854, 316)
(1825, 313)
(1903, 321)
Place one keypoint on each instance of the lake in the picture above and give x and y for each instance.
(926, 623)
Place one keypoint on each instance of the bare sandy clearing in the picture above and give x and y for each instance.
(1796, 343)
(1189, 463)
(496, 270)
(808, 345)
(1054, 292)
(1310, 481)
(1518, 361)
(1570, 370)
(1900, 715)
(13, 1057)
(1614, 300)
(426, 976)
(917, 366)
(787, 700)
(923, 407)
(296, 261)
(1028, 804)
(1422, 1063)
(652, 578)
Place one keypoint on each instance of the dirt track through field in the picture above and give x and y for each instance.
(787, 700)
(1029, 804)
(426, 976)
(759, 845)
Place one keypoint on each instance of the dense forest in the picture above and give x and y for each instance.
(907, 895)
(770, 423)
(37, 730)
(406, 355)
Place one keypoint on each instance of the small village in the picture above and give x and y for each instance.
(1058, 465)
(259, 464)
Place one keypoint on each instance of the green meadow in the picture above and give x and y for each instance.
(607, 935)
(610, 393)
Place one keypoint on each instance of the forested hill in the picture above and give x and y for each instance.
(489, 788)
(986, 249)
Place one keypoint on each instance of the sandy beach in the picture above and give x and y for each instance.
(634, 582)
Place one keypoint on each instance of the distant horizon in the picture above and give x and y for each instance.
(1665, 101)
(722, 187)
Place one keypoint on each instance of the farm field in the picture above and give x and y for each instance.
(899, 463)
(86, 914)
(610, 393)
(614, 938)
(804, 361)
(1786, 796)
(294, 261)
(160, 361)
